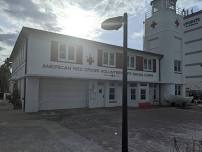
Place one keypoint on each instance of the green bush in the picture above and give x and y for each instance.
(15, 100)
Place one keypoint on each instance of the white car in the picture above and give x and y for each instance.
(178, 100)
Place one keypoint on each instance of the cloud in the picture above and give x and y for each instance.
(137, 35)
(1, 48)
(29, 11)
(117, 7)
(8, 38)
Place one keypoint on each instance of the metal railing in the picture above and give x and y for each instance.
(178, 11)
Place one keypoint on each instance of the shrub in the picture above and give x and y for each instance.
(15, 100)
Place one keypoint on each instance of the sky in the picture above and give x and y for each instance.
(80, 18)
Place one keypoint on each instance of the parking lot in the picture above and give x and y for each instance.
(81, 130)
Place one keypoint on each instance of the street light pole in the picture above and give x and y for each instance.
(124, 91)
(116, 23)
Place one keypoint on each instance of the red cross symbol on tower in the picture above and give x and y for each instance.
(153, 25)
(177, 23)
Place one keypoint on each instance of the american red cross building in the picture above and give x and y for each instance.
(55, 71)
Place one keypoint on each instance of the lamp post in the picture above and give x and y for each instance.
(115, 24)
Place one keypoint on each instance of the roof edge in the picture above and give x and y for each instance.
(28, 29)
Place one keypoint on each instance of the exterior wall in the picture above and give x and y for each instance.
(166, 39)
(35, 94)
(42, 64)
(193, 50)
(18, 65)
(164, 35)
(96, 101)
(18, 69)
(39, 63)
(32, 94)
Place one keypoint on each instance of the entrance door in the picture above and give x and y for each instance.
(100, 95)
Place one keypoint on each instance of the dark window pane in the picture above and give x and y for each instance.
(106, 58)
(62, 51)
(132, 62)
(71, 53)
(133, 94)
(111, 59)
(111, 93)
(143, 94)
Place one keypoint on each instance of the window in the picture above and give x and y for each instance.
(133, 94)
(148, 65)
(105, 58)
(177, 90)
(143, 94)
(111, 93)
(131, 62)
(177, 66)
(71, 53)
(143, 84)
(109, 59)
(62, 52)
(145, 64)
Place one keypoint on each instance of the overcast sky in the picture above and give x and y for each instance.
(80, 18)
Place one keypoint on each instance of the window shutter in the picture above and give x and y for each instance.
(154, 65)
(54, 51)
(139, 63)
(79, 54)
(119, 60)
(99, 57)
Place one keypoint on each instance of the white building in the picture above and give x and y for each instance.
(164, 35)
(55, 71)
(193, 50)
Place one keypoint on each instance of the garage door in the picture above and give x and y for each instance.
(62, 94)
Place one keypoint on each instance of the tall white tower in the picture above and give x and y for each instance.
(164, 35)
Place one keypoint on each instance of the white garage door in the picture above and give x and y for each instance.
(62, 94)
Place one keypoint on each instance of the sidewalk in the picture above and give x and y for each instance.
(4, 105)
(30, 132)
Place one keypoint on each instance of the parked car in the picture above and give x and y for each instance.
(178, 100)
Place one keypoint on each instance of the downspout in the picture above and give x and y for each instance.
(26, 42)
(160, 103)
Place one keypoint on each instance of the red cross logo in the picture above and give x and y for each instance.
(177, 23)
(153, 25)
(90, 60)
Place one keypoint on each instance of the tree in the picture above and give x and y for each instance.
(5, 75)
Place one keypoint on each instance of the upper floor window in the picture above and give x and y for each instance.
(105, 58)
(62, 52)
(71, 53)
(67, 54)
(148, 64)
(177, 66)
(131, 62)
(109, 59)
